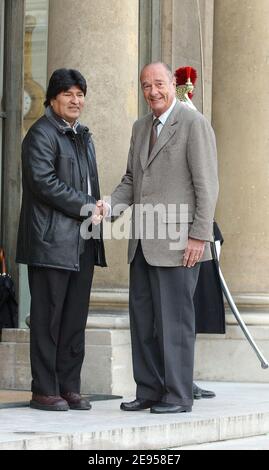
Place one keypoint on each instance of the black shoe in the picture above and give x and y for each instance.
(160, 408)
(196, 391)
(201, 393)
(137, 405)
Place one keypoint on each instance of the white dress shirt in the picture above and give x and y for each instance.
(163, 117)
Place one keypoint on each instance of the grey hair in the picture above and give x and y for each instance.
(167, 68)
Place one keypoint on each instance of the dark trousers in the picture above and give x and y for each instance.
(59, 310)
(162, 321)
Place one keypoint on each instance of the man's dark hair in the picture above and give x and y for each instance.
(62, 80)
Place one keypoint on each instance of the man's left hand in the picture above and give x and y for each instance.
(193, 252)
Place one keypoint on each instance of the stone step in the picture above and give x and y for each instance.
(249, 443)
(239, 411)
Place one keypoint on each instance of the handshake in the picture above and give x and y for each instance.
(102, 209)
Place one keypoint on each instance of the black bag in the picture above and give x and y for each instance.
(8, 303)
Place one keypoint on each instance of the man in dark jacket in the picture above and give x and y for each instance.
(59, 177)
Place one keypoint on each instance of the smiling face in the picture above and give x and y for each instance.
(69, 104)
(159, 88)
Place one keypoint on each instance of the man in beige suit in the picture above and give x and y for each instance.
(171, 181)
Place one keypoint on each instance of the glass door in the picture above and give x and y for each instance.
(2, 115)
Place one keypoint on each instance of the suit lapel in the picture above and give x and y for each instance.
(167, 132)
(145, 136)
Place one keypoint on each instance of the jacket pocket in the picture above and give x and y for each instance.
(50, 227)
(64, 168)
(176, 218)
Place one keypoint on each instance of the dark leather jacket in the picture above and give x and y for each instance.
(55, 164)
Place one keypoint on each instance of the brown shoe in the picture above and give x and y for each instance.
(75, 401)
(48, 403)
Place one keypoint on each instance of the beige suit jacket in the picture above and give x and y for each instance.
(178, 179)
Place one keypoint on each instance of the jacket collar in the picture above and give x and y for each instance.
(63, 127)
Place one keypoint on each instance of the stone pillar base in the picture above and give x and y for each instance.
(107, 368)
(230, 357)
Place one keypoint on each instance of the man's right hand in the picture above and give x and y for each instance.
(102, 210)
(194, 252)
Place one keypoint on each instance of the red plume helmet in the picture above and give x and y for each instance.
(186, 76)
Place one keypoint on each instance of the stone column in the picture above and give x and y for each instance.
(241, 122)
(100, 38)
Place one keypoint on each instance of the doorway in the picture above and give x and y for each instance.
(2, 114)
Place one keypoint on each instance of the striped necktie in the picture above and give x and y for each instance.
(153, 135)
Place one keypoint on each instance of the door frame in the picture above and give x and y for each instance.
(2, 113)
(150, 39)
(12, 129)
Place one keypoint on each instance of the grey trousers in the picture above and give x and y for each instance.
(162, 322)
